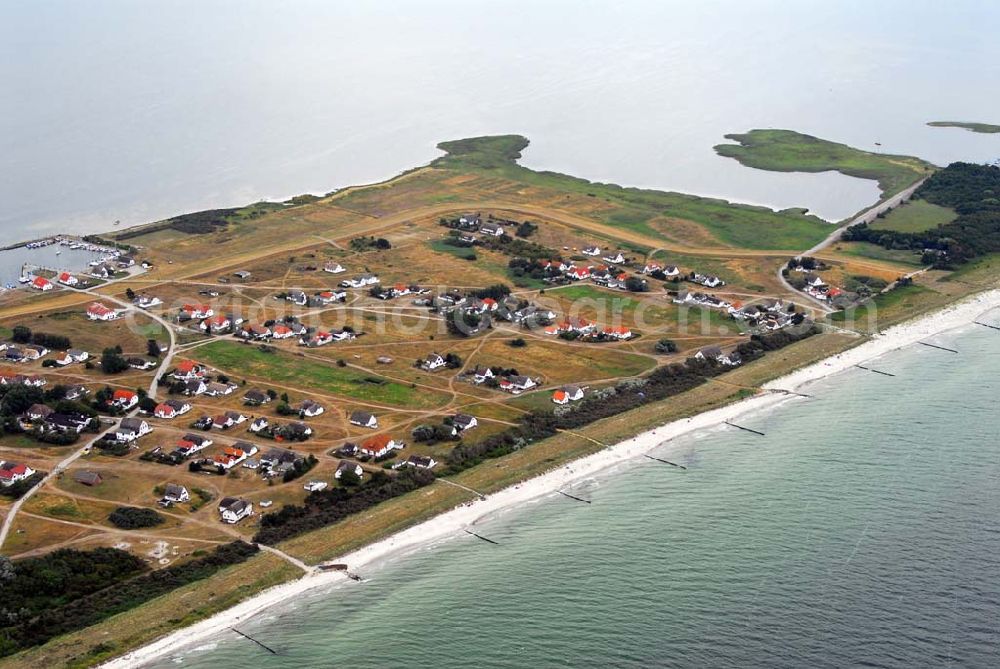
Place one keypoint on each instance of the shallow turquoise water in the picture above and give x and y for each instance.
(861, 531)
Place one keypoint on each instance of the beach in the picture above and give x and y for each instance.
(455, 521)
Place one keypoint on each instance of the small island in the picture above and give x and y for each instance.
(985, 128)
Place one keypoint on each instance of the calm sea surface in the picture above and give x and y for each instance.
(863, 530)
(114, 109)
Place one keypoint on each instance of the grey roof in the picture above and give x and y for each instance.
(711, 351)
(174, 490)
(361, 417)
(90, 478)
(463, 419)
(233, 504)
(130, 424)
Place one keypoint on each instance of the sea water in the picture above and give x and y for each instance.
(135, 111)
(862, 530)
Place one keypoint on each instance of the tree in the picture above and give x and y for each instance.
(21, 334)
(636, 285)
(382, 244)
(152, 348)
(349, 478)
(271, 393)
(130, 294)
(147, 404)
(112, 361)
(133, 517)
(518, 343)
(665, 346)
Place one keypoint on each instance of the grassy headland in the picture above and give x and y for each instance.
(986, 128)
(790, 151)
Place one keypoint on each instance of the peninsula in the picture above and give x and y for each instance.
(241, 398)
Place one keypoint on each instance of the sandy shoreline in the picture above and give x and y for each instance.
(453, 521)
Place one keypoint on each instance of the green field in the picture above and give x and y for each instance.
(463, 252)
(988, 128)
(883, 306)
(790, 151)
(915, 216)
(239, 360)
(876, 252)
(739, 225)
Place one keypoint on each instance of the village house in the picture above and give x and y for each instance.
(280, 459)
(42, 284)
(420, 461)
(333, 267)
(348, 450)
(320, 338)
(329, 297)
(256, 397)
(187, 370)
(482, 375)
(12, 472)
(347, 466)
(87, 478)
(233, 510)
(191, 443)
(131, 429)
(281, 331)
(363, 419)
(258, 332)
(591, 251)
(469, 221)
(707, 280)
(492, 229)
(218, 389)
(567, 394)
(714, 353)
(146, 301)
(72, 355)
(315, 486)
(297, 297)
(195, 311)
(216, 324)
(171, 409)
(124, 399)
(517, 384)
(258, 424)
(99, 312)
(360, 281)
(76, 391)
(577, 273)
(67, 279)
(379, 446)
(309, 408)
(616, 259)
(175, 494)
(38, 412)
(140, 363)
(67, 422)
(432, 362)
(463, 422)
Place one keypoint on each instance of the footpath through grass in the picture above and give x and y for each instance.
(790, 151)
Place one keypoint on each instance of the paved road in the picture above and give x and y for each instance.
(867, 216)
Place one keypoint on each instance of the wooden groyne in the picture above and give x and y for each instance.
(247, 636)
(479, 536)
(876, 371)
(579, 499)
(940, 348)
(987, 325)
(745, 429)
(666, 462)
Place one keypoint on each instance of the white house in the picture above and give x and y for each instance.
(99, 312)
(591, 251)
(432, 362)
(68, 279)
(360, 281)
(309, 408)
(363, 419)
(420, 461)
(314, 486)
(42, 284)
(333, 267)
(492, 229)
(131, 429)
(175, 494)
(616, 259)
(233, 509)
(12, 472)
(379, 446)
(347, 465)
(463, 422)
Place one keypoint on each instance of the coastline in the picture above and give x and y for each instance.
(951, 317)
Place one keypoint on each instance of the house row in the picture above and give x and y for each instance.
(144, 301)
(701, 299)
(670, 271)
(69, 356)
(516, 384)
(50, 420)
(360, 281)
(319, 299)
(324, 337)
(707, 280)
(22, 352)
(32, 380)
(715, 353)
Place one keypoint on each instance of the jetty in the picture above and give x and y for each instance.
(666, 462)
(745, 429)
